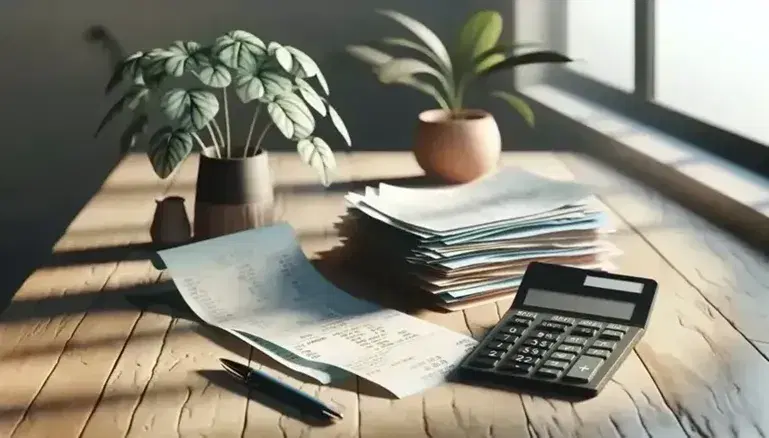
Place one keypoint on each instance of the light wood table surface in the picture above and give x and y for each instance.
(77, 360)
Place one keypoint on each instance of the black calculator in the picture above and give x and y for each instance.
(566, 333)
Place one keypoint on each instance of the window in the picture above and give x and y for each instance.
(694, 69)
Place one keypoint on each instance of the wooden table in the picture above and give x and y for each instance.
(77, 360)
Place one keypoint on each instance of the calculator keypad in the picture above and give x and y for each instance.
(550, 347)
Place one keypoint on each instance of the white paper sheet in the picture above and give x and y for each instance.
(259, 282)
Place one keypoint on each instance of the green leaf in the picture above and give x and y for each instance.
(339, 125)
(322, 81)
(518, 104)
(318, 154)
(479, 34)
(239, 50)
(137, 95)
(248, 87)
(304, 65)
(414, 46)
(130, 67)
(136, 128)
(215, 74)
(193, 109)
(399, 68)
(424, 87)
(540, 57)
(275, 84)
(425, 34)
(369, 55)
(168, 148)
(183, 56)
(281, 55)
(291, 116)
(153, 63)
(311, 96)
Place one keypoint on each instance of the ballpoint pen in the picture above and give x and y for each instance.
(274, 388)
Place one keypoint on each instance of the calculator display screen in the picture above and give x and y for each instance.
(579, 304)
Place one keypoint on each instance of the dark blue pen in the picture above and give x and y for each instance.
(273, 387)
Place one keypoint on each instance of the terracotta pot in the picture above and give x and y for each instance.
(170, 224)
(232, 194)
(457, 149)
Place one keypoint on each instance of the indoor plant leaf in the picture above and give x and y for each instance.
(132, 99)
(248, 87)
(424, 87)
(423, 33)
(304, 65)
(275, 84)
(480, 33)
(402, 42)
(193, 109)
(134, 129)
(322, 81)
(281, 55)
(214, 74)
(168, 148)
(183, 56)
(129, 67)
(291, 116)
(495, 55)
(153, 63)
(339, 125)
(239, 50)
(369, 55)
(397, 68)
(518, 104)
(541, 57)
(318, 154)
(311, 96)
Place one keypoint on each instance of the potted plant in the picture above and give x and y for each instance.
(185, 82)
(455, 143)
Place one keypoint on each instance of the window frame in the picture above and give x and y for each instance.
(640, 105)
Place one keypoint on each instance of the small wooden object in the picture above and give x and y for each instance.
(170, 224)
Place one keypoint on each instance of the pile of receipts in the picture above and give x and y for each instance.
(470, 244)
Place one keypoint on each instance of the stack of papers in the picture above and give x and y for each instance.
(470, 244)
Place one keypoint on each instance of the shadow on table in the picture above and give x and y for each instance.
(227, 382)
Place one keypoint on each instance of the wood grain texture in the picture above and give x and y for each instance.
(94, 366)
(704, 349)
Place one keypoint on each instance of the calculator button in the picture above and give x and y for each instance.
(618, 327)
(522, 358)
(504, 337)
(517, 368)
(552, 326)
(548, 373)
(558, 364)
(598, 352)
(560, 355)
(525, 314)
(520, 322)
(484, 362)
(500, 346)
(575, 340)
(569, 348)
(512, 330)
(532, 351)
(583, 331)
(584, 369)
(541, 343)
(590, 324)
(548, 336)
(607, 345)
(563, 319)
(613, 335)
(494, 354)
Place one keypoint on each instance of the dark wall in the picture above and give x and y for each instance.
(52, 81)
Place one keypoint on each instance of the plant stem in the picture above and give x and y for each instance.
(261, 137)
(200, 141)
(227, 123)
(213, 138)
(251, 129)
(218, 132)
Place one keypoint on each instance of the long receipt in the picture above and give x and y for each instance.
(258, 284)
